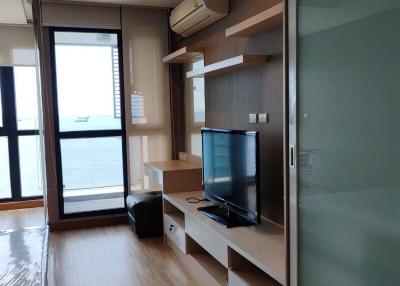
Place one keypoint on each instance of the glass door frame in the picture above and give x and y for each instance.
(58, 136)
(11, 132)
(292, 148)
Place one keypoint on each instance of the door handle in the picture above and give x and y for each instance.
(292, 156)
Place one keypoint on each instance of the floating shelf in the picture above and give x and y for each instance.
(228, 65)
(183, 55)
(264, 21)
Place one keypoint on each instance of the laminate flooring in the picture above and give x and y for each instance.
(112, 255)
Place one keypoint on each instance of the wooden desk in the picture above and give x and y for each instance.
(175, 175)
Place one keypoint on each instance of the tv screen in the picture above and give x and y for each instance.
(230, 170)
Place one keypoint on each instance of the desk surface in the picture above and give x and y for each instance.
(172, 165)
(263, 244)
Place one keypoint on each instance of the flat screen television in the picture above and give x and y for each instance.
(231, 176)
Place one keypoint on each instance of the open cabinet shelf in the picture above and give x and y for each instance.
(174, 214)
(264, 21)
(183, 55)
(243, 272)
(215, 269)
(228, 65)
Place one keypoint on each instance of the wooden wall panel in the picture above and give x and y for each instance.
(231, 97)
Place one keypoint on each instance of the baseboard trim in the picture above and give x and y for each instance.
(88, 222)
(21, 205)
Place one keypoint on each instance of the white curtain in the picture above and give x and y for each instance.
(145, 43)
(81, 16)
(17, 46)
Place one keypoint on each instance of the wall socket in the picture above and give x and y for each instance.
(253, 118)
(263, 118)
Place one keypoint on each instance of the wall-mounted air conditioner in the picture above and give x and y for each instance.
(191, 16)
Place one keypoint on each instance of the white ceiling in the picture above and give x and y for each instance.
(13, 12)
(151, 3)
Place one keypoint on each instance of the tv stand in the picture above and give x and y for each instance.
(224, 216)
(253, 255)
(214, 254)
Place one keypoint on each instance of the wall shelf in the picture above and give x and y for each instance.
(264, 21)
(183, 55)
(228, 65)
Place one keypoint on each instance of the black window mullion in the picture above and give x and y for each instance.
(2, 129)
(10, 126)
(27, 132)
(90, 134)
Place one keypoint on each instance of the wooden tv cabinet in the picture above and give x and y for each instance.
(236, 256)
(214, 254)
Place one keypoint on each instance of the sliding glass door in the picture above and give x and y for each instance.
(89, 117)
(20, 160)
(348, 187)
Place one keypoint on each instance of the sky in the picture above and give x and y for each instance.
(84, 80)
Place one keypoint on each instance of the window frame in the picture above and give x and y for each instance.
(61, 135)
(11, 132)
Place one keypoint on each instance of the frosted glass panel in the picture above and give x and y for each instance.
(349, 186)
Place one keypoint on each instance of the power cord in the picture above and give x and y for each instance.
(194, 200)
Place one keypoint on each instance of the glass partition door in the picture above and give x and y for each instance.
(90, 133)
(348, 186)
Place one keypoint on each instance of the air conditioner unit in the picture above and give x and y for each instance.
(191, 16)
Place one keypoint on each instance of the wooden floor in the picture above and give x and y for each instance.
(21, 218)
(103, 256)
(113, 256)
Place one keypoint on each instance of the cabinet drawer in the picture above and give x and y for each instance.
(213, 243)
(175, 232)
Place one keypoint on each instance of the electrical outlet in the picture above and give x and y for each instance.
(263, 118)
(253, 118)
